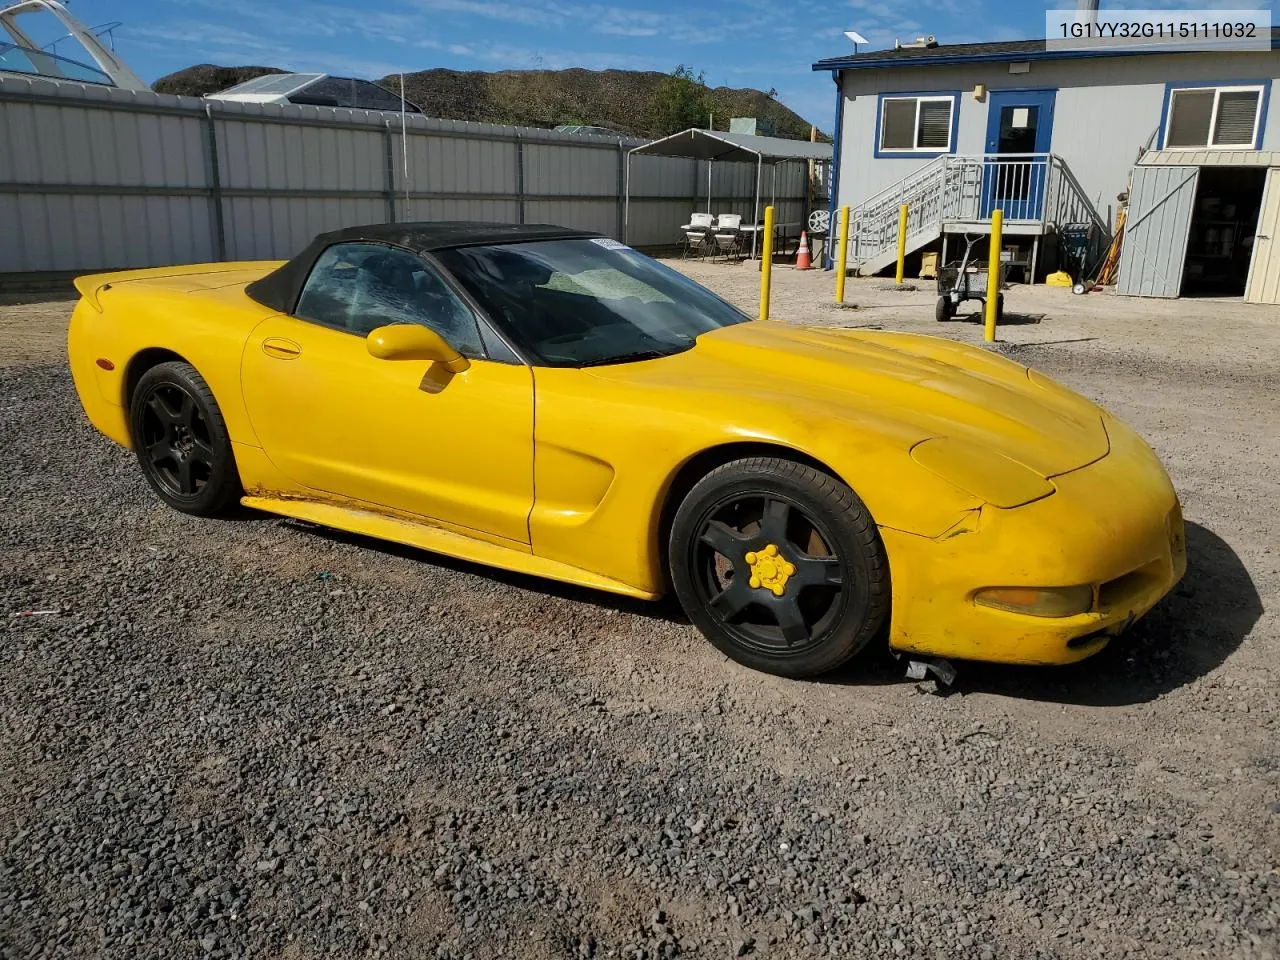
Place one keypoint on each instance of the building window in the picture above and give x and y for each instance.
(1213, 117)
(916, 124)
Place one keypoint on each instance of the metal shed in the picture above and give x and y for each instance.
(713, 145)
(1161, 206)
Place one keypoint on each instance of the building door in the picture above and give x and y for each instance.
(1156, 230)
(1224, 228)
(1019, 132)
(1264, 268)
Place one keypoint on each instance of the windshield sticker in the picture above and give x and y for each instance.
(609, 244)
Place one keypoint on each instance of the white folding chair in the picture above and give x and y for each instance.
(696, 231)
(728, 236)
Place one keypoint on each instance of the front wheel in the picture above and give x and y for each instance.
(780, 566)
(181, 440)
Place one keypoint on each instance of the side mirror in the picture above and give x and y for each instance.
(411, 341)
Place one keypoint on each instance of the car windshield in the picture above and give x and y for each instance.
(586, 302)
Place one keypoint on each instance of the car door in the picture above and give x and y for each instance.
(455, 448)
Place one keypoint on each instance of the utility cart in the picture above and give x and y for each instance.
(968, 280)
(1077, 242)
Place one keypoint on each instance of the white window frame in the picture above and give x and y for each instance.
(948, 99)
(1259, 89)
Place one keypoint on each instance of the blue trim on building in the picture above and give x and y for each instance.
(1030, 204)
(1262, 113)
(941, 59)
(1005, 92)
(827, 260)
(916, 154)
(1265, 84)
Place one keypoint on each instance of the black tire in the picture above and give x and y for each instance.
(181, 440)
(944, 310)
(999, 307)
(837, 585)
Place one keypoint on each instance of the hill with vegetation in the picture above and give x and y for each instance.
(206, 78)
(637, 103)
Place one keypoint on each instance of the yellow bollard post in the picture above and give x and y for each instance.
(993, 277)
(842, 266)
(766, 263)
(902, 242)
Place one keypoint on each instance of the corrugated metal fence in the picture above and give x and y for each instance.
(94, 178)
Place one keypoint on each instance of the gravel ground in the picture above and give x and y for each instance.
(252, 738)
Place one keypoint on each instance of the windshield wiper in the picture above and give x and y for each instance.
(628, 358)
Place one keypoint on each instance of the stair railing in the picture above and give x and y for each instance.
(1035, 188)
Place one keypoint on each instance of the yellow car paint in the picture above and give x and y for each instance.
(336, 419)
(998, 479)
(406, 341)
(568, 473)
(414, 532)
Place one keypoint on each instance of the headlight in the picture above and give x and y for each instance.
(1038, 601)
(990, 476)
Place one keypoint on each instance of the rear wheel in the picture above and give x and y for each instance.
(181, 440)
(780, 566)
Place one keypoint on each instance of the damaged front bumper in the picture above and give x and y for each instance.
(1114, 526)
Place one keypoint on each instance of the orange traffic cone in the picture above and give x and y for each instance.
(803, 260)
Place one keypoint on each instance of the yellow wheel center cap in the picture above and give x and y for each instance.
(770, 570)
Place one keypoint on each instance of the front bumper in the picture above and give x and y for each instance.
(1115, 524)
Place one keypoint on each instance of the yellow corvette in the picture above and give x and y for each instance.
(552, 402)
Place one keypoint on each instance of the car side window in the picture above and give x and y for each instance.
(359, 287)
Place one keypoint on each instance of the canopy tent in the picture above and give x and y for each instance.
(713, 145)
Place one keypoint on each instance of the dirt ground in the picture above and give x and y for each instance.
(33, 330)
(1141, 789)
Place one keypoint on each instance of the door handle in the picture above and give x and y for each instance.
(281, 349)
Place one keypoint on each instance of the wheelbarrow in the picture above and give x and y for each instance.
(967, 280)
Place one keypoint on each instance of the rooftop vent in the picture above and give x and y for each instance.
(921, 42)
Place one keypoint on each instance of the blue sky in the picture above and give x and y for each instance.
(738, 43)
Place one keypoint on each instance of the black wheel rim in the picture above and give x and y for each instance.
(769, 573)
(175, 441)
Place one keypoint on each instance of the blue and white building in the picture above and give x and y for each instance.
(1052, 137)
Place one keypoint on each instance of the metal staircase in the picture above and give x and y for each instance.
(956, 194)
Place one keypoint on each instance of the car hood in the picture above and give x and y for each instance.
(932, 386)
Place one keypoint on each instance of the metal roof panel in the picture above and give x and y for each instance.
(1001, 51)
(1210, 158)
(720, 145)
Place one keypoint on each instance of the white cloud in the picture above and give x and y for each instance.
(201, 36)
(619, 30)
(198, 40)
(529, 14)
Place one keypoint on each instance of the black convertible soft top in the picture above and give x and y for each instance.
(280, 288)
